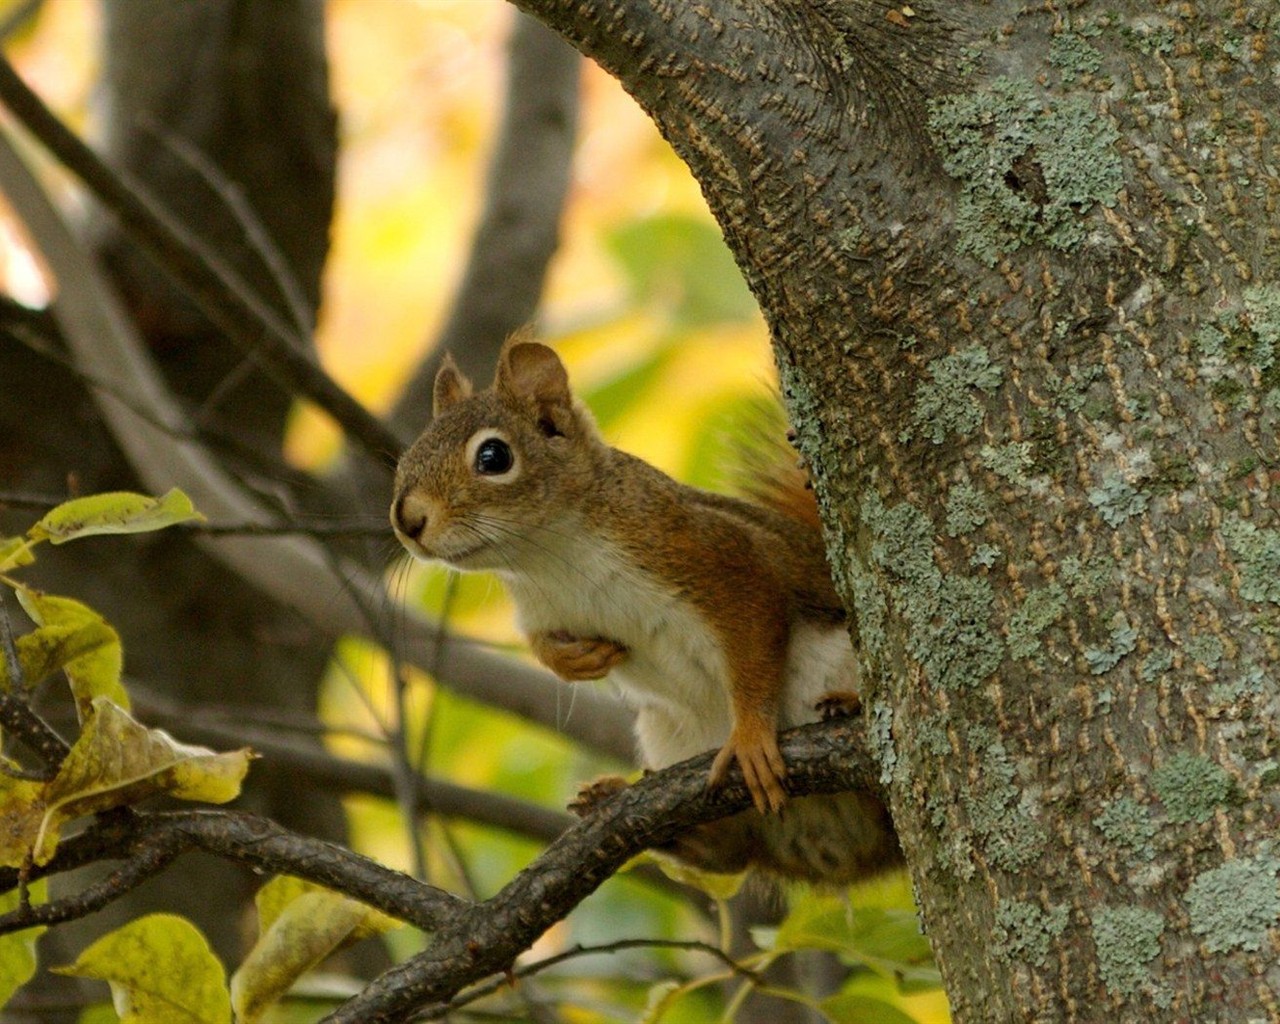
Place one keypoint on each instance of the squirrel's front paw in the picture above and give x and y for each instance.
(593, 794)
(575, 658)
(762, 767)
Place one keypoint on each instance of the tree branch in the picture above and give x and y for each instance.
(245, 839)
(470, 941)
(297, 572)
(519, 228)
(220, 292)
(823, 758)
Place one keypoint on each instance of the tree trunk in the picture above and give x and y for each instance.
(1018, 264)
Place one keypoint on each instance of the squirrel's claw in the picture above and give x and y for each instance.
(593, 794)
(762, 768)
(574, 658)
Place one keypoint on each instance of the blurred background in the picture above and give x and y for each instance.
(666, 344)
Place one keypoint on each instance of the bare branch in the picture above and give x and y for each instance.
(578, 951)
(519, 228)
(822, 758)
(224, 296)
(297, 572)
(245, 839)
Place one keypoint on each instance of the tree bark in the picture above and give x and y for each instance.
(1018, 267)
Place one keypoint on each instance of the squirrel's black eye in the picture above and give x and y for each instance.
(494, 457)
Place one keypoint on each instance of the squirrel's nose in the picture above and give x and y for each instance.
(409, 515)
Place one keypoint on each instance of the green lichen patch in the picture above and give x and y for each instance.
(1123, 640)
(880, 739)
(956, 645)
(1248, 683)
(1038, 612)
(1073, 56)
(949, 616)
(1029, 166)
(985, 555)
(947, 404)
(1024, 931)
(870, 609)
(966, 509)
(1156, 664)
(1205, 649)
(1087, 578)
(1128, 939)
(1235, 905)
(1011, 461)
(1257, 553)
(1127, 824)
(1191, 787)
(1262, 305)
(999, 811)
(1117, 500)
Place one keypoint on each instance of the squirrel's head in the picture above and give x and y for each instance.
(497, 475)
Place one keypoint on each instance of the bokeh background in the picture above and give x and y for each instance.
(662, 338)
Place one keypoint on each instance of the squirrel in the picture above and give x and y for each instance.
(716, 615)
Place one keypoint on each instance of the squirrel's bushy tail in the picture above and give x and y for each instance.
(768, 470)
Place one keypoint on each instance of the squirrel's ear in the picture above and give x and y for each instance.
(451, 386)
(530, 371)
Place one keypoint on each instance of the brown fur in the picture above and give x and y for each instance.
(750, 573)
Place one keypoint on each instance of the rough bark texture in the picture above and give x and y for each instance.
(1018, 263)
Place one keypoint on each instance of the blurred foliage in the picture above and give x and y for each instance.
(664, 341)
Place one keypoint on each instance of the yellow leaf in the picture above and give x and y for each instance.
(73, 637)
(118, 761)
(18, 949)
(114, 512)
(21, 811)
(715, 884)
(299, 924)
(15, 552)
(161, 971)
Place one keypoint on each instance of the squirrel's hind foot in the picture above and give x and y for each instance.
(838, 704)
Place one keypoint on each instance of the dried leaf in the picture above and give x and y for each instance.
(299, 924)
(116, 761)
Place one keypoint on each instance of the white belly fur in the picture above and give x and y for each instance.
(675, 674)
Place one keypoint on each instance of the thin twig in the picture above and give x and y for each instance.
(219, 291)
(477, 992)
(17, 718)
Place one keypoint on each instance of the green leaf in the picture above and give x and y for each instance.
(161, 971)
(299, 924)
(73, 637)
(715, 884)
(18, 949)
(620, 393)
(845, 1008)
(887, 940)
(114, 512)
(682, 264)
